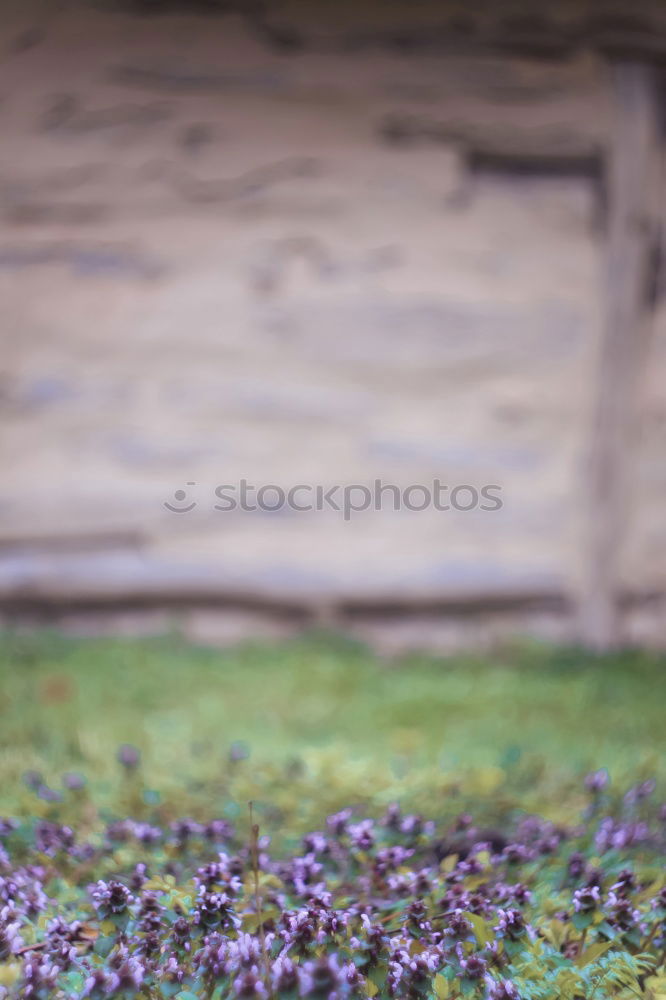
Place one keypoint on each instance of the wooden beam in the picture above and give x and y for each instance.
(633, 218)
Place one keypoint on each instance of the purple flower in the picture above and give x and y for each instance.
(51, 837)
(39, 976)
(181, 933)
(502, 989)
(640, 792)
(621, 912)
(128, 756)
(338, 822)
(74, 781)
(127, 975)
(10, 939)
(238, 751)
(458, 926)
(576, 865)
(110, 897)
(213, 909)
(315, 843)
(184, 829)
(474, 967)
(516, 854)
(98, 984)
(139, 876)
(362, 835)
(249, 984)
(321, 978)
(618, 836)
(586, 900)
(285, 975)
(173, 971)
(218, 829)
(510, 923)
(596, 781)
(624, 883)
(33, 779)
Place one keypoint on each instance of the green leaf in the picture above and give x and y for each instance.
(582, 920)
(592, 953)
(441, 987)
(103, 945)
(482, 932)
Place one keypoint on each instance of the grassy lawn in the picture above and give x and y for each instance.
(530, 718)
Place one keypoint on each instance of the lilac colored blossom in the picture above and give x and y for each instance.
(129, 756)
(110, 897)
(39, 976)
(249, 984)
(74, 781)
(597, 781)
(502, 989)
(586, 900)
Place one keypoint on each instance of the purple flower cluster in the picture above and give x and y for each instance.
(391, 907)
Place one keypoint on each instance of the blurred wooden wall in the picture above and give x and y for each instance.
(328, 244)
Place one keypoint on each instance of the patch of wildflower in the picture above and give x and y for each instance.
(393, 908)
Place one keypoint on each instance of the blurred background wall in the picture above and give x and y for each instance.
(325, 244)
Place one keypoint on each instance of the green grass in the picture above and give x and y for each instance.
(353, 720)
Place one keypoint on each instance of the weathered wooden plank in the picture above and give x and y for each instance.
(633, 219)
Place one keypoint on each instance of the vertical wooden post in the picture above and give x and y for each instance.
(632, 165)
